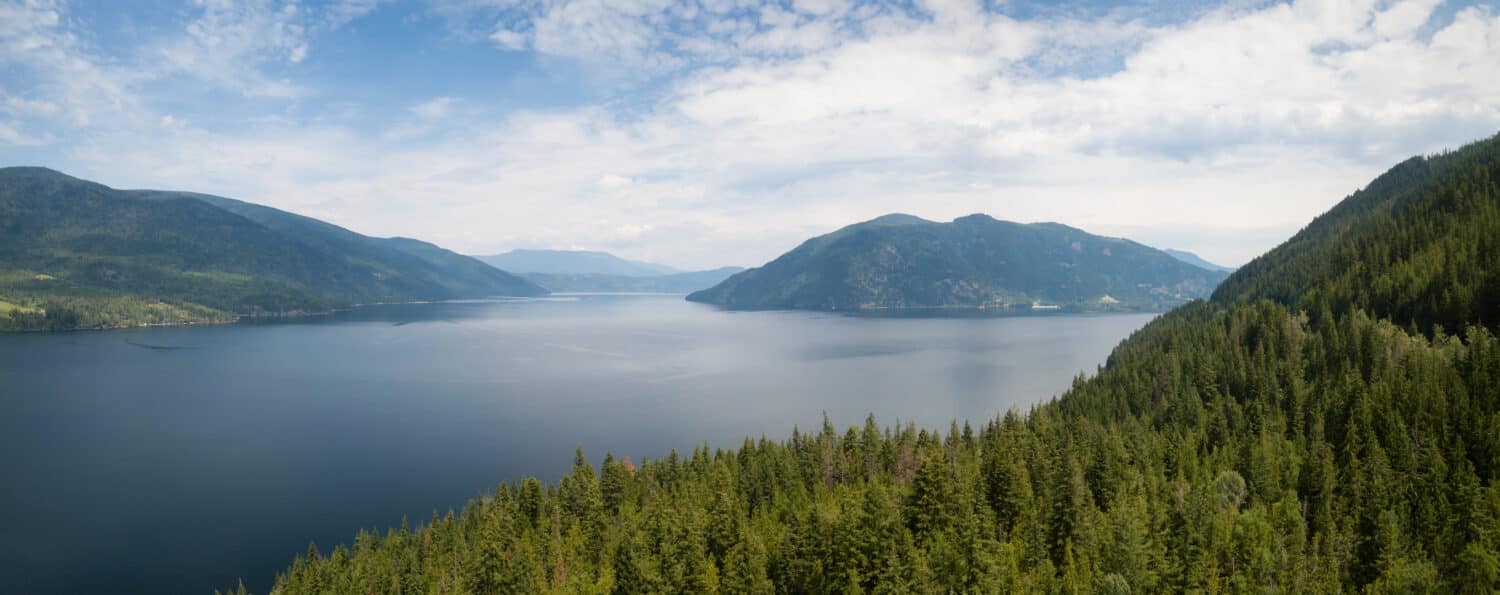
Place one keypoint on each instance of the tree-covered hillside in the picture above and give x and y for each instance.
(1419, 245)
(903, 262)
(1245, 444)
(75, 254)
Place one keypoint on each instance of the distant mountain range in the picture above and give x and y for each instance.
(1195, 260)
(905, 262)
(76, 254)
(674, 283)
(575, 262)
(586, 271)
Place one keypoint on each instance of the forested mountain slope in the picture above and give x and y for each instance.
(902, 262)
(75, 254)
(1419, 245)
(1243, 444)
(429, 270)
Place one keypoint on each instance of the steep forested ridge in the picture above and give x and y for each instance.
(1419, 245)
(75, 254)
(903, 262)
(1294, 434)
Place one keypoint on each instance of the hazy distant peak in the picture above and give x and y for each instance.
(546, 252)
(1197, 261)
(574, 262)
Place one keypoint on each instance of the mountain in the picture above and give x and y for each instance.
(1419, 246)
(674, 283)
(1197, 261)
(901, 261)
(76, 254)
(575, 262)
(1302, 432)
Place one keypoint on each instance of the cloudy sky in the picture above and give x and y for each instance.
(708, 132)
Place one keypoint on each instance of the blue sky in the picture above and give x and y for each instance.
(707, 132)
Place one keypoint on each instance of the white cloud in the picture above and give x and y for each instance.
(433, 109)
(34, 37)
(9, 135)
(22, 107)
(510, 40)
(1219, 134)
(342, 12)
(613, 181)
(222, 43)
(228, 42)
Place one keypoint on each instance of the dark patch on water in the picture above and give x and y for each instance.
(154, 347)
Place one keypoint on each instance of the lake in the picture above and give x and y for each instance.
(177, 460)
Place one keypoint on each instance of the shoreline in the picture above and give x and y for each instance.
(244, 318)
(954, 312)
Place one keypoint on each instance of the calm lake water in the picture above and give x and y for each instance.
(178, 460)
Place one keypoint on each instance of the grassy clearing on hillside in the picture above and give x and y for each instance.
(8, 307)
